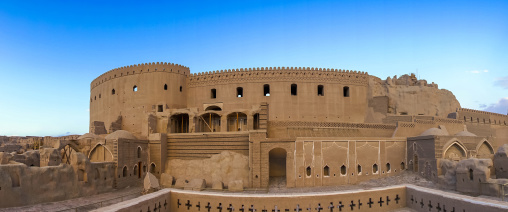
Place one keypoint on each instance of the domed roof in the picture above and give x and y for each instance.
(434, 131)
(88, 135)
(465, 133)
(121, 134)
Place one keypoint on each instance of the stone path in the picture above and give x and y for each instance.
(83, 203)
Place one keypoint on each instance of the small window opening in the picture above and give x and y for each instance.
(308, 171)
(100, 96)
(135, 88)
(294, 89)
(346, 91)
(159, 108)
(213, 93)
(402, 166)
(374, 169)
(326, 171)
(181, 89)
(471, 174)
(266, 90)
(139, 152)
(320, 90)
(388, 167)
(359, 169)
(343, 170)
(165, 87)
(95, 98)
(113, 92)
(239, 92)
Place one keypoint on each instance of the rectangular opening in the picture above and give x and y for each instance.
(239, 92)
(320, 90)
(159, 108)
(266, 90)
(346, 91)
(293, 90)
(213, 94)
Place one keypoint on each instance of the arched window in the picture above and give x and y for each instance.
(402, 166)
(343, 170)
(165, 87)
(294, 89)
(113, 92)
(345, 91)
(181, 89)
(309, 171)
(374, 169)
(388, 167)
(266, 90)
(239, 92)
(135, 88)
(100, 96)
(471, 174)
(320, 90)
(326, 171)
(139, 152)
(124, 172)
(359, 169)
(152, 168)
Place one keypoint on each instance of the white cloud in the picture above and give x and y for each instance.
(500, 107)
(477, 71)
(502, 82)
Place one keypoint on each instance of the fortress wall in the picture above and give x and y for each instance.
(307, 105)
(327, 161)
(134, 106)
(294, 129)
(494, 125)
(204, 145)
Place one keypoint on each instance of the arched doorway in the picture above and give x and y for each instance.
(277, 167)
(237, 121)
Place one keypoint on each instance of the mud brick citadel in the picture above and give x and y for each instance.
(247, 129)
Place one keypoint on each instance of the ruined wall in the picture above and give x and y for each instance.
(23, 185)
(409, 96)
(224, 167)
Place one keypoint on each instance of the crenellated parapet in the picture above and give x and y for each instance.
(140, 69)
(277, 74)
(484, 117)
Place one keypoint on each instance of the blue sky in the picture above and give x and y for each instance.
(50, 51)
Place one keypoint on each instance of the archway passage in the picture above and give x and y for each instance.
(237, 122)
(208, 122)
(179, 123)
(100, 154)
(277, 167)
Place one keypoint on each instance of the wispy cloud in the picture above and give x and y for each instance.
(502, 82)
(478, 72)
(500, 107)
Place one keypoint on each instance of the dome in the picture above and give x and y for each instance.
(121, 134)
(465, 133)
(88, 135)
(434, 131)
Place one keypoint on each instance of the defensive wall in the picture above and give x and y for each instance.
(133, 93)
(377, 199)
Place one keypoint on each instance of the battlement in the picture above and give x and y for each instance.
(324, 74)
(139, 69)
(481, 112)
